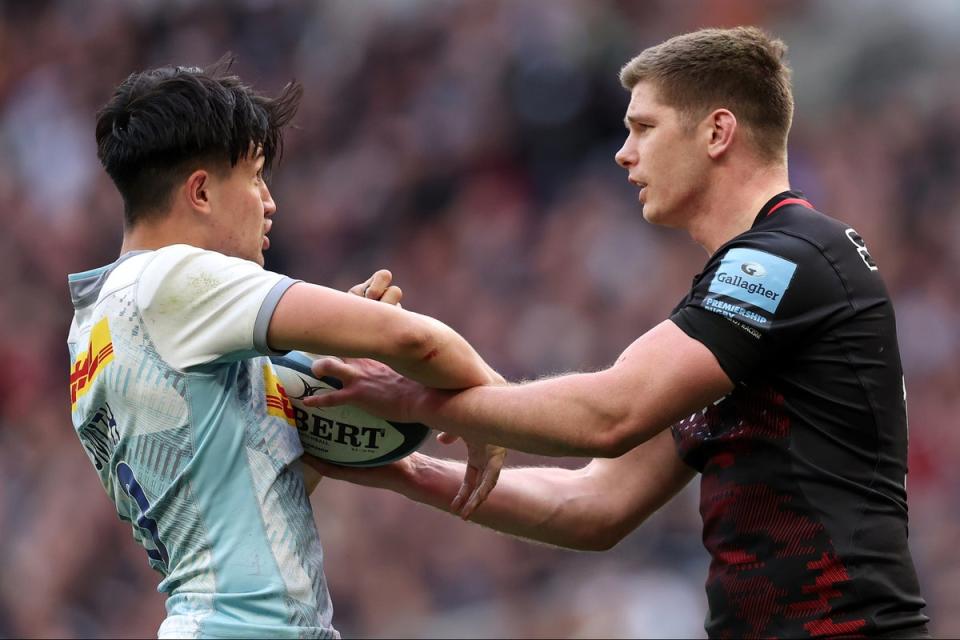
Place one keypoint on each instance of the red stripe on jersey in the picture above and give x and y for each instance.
(783, 203)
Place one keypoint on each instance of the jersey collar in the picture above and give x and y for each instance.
(781, 200)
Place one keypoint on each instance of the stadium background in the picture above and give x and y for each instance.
(468, 147)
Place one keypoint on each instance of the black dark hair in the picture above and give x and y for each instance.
(163, 123)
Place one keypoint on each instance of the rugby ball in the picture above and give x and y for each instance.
(342, 435)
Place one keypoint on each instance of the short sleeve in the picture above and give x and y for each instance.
(760, 299)
(201, 307)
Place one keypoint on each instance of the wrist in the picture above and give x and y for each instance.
(404, 480)
(428, 480)
(424, 402)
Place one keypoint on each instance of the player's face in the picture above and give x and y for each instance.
(662, 157)
(242, 211)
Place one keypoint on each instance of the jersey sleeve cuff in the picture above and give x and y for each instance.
(723, 341)
(267, 308)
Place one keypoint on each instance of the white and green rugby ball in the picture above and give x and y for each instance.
(343, 435)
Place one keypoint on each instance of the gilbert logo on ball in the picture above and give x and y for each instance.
(342, 435)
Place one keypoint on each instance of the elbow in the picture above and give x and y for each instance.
(599, 542)
(623, 430)
(616, 440)
(600, 538)
(414, 341)
(602, 518)
(607, 530)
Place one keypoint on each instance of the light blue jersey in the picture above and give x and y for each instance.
(171, 396)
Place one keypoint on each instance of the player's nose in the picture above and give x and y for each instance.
(269, 206)
(625, 157)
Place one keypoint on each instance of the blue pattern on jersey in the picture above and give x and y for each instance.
(133, 489)
(250, 590)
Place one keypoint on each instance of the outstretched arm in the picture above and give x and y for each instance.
(320, 320)
(662, 377)
(591, 508)
(483, 461)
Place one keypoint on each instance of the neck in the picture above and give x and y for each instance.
(150, 234)
(731, 204)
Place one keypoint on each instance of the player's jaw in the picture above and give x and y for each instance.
(269, 208)
(253, 241)
(660, 203)
(646, 195)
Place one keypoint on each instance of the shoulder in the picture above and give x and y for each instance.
(794, 232)
(183, 256)
(794, 241)
(827, 247)
(201, 306)
(768, 260)
(184, 271)
(811, 232)
(770, 274)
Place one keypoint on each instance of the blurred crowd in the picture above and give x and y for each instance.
(468, 147)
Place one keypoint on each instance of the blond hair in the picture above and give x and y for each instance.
(740, 69)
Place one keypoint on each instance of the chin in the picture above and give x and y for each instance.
(650, 214)
(658, 217)
(250, 256)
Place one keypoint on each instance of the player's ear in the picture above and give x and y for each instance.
(197, 191)
(721, 127)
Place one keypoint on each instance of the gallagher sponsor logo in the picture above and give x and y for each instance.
(278, 404)
(753, 269)
(88, 365)
(750, 287)
(753, 277)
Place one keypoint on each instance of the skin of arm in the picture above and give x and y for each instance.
(589, 509)
(393, 345)
(320, 320)
(311, 477)
(662, 377)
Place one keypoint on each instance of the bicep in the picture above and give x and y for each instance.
(662, 377)
(322, 320)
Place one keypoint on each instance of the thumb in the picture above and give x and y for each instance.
(446, 438)
(327, 399)
(333, 367)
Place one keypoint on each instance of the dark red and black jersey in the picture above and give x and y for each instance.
(803, 465)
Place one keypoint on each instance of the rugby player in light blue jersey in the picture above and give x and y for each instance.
(169, 369)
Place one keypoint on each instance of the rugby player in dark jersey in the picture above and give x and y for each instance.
(777, 377)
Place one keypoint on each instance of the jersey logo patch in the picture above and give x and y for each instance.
(89, 365)
(278, 404)
(757, 278)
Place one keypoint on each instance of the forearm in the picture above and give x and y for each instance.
(323, 321)
(661, 378)
(550, 505)
(445, 360)
(566, 416)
